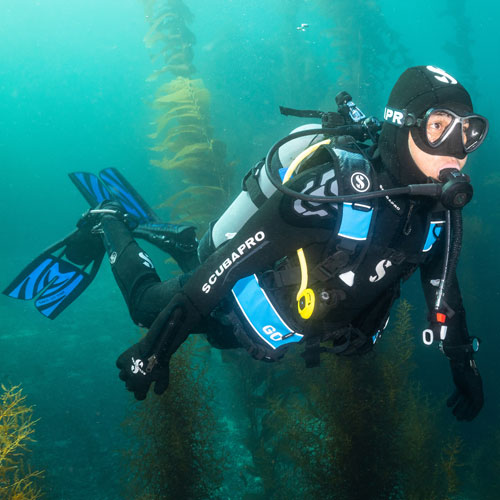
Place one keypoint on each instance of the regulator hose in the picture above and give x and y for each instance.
(359, 132)
(456, 244)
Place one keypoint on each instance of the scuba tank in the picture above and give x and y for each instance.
(246, 204)
(258, 185)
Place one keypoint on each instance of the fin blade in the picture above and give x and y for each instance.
(53, 282)
(91, 187)
(68, 285)
(127, 195)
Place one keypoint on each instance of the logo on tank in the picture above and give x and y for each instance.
(360, 182)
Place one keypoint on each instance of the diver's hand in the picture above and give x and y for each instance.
(468, 399)
(139, 369)
(147, 361)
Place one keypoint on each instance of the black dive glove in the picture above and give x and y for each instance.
(468, 399)
(147, 361)
(83, 246)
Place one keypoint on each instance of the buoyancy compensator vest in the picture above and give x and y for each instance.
(260, 325)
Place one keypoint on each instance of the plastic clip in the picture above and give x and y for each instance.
(442, 332)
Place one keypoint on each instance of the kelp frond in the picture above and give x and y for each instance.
(16, 430)
(177, 455)
(183, 137)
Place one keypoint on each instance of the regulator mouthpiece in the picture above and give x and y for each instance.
(457, 190)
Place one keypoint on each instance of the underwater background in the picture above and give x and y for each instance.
(79, 91)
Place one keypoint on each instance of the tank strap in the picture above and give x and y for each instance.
(348, 341)
(251, 184)
(354, 231)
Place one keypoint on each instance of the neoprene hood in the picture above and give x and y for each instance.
(417, 90)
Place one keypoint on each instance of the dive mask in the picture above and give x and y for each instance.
(442, 131)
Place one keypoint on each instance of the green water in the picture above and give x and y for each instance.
(74, 96)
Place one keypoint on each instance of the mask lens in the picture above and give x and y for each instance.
(442, 125)
(438, 123)
(473, 132)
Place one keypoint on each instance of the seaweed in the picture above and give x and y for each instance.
(175, 455)
(265, 406)
(365, 46)
(169, 36)
(354, 428)
(17, 480)
(481, 464)
(183, 138)
(173, 452)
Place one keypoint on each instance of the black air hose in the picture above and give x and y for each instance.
(452, 252)
(456, 244)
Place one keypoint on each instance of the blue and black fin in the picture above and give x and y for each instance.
(125, 193)
(177, 240)
(111, 185)
(91, 187)
(53, 281)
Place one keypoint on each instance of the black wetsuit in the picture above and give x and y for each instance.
(392, 255)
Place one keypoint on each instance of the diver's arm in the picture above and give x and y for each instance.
(468, 398)
(457, 333)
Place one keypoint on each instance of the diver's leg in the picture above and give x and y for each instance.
(178, 240)
(135, 274)
(145, 294)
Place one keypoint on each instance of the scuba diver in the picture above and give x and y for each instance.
(315, 247)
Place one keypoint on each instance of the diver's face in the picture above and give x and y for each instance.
(431, 165)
